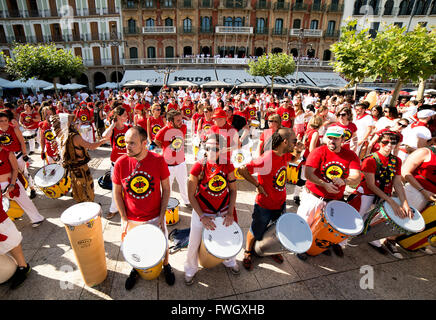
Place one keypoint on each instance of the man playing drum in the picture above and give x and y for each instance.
(212, 192)
(29, 120)
(271, 188)
(137, 180)
(329, 168)
(85, 116)
(381, 171)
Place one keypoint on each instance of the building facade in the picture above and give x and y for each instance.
(89, 28)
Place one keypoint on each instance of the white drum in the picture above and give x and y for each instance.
(7, 268)
(415, 198)
(53, 181)
(86, 132)
(220, 244)
(289, 233)
(255, 123)
(29, 134)
(144, 248)
(240, 157)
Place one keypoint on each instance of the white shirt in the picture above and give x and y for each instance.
(384, 122)
(362, 125)
(411, 135)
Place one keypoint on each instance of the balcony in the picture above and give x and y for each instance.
(234, 30)
(279, 32)
(317, 7)
(263, 5)
(205, 29)
(235, 4)
(102, 62)
(158, 29)
(281, 6)
(331, 34)
(313, 33)
(299, 7)
(335, 8)
(168, 4)
(185, 4)
(263, 30)
(131, 31)
(206, 4)
(186, 30)
(149, 4)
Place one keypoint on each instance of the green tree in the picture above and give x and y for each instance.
(351, 54)
(45, 62)
(272, 65)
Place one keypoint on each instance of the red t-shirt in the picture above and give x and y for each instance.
(370, 165)
(245, 113)
(287, 115)
(85, 115)
(141, 121)
(271, 171)
(141, 187)
(252, 111)
(9, 140)
(196, 117)
(426, 174)
(330, 165)
(171, 106)
(50, 139)
(213, 187)
(309, 134)
(118, 142)
(27, 120)
(172, 140)
(155, 126)
(270, 105)
(349, 130)
(188, 110)
(5, 165)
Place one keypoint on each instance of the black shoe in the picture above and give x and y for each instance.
(31, 152)
(337, 249)
(297, 200)
(302, 256)
(32, 194)
(381, 249)
(131, 280)
(19, 276)
(327, 252)
(169, 275)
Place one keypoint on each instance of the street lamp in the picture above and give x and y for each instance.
(299, 42)
(114, 41)
(166, 71)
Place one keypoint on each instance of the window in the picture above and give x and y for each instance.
(331, 27)
(374, 29)
(314, 24)
(168, 22)
(389, 5)
(205, 24)
(151, 52)
(296, 24)
(419, 8)
(404, 8)
(131, 24)
(228, 22)
(238, 22)
(260, 25)
(398, 24)
(335, 5)
(278, 28)
(149, 22)
(169, 52)
(357, 7)
(148, 3)
(130, 4)
(187, 25)
(133, 53)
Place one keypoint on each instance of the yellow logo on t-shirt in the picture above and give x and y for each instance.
(217, 183)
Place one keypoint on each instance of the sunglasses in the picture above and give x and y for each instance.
(385, 142)
(212, 149)
(272, 121)
(403, 125)
(156, 109)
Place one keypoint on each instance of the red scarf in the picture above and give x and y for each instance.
(418, 124)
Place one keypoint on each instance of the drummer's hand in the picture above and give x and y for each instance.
(208, 223)
(399, 212)
(10, 188)
(408, 211)
(330, 187)
(429, 196)
(338, 182)
(261, 190)
(228, 219)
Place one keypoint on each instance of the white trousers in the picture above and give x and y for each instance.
(25, 203)
(180, 173)
(22, 166)
(191, 263)
(113, 207)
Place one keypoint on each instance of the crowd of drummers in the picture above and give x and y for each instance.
(363, 171)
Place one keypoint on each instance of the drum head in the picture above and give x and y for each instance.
(240, 157)
(144, 246)
(344, 218)
(223, 242)
(414, 225)
(80, 213)
(294, 233)
(49, 179)
(5, 204)
(173, 203)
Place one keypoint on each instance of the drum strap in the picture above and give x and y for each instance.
(211, 207)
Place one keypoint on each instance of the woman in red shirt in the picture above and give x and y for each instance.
(345, 118)
(29, 120)
(199, 114)
(155, 122)
(140, 118)
(205, 123)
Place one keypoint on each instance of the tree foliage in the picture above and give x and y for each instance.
(272, 65)
(45, 62)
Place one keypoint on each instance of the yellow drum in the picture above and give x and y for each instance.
(53, 181)
(292, 172)
(12, 209)
(144, 248)
(83, 225)
(239, 158)
(255, 123)
(172, 213)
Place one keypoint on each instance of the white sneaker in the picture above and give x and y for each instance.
(235, 270)
(189, 280)
(427, 250)
(392, 249)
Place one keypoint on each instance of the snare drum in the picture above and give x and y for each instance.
(220, 244)
(83, 225)
(12, 209)
(239, 158)
(424, 238)
(55, 182)
(144, 248)
(292, 172)
(382, 222)
(7, 268)
(29, 134)
(333, 224)
(255, 123)
(415, 198)
(172, 213)
(289, 233)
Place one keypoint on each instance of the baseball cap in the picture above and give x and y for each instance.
(219, 113)
(334, 131)
(425, 113)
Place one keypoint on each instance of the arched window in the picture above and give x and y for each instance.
(238, 22)
(168, 22)
(296, 24)
(404, 8)
(314, 24)
(331, 26)
(260, 25)
(258, 52)
(228, 22)
(169, 52)
(278, 27)
(389, 5)
(205, 24)
(294, 52)
(277, 50)
(357, 6)
(327, 55)
(419, 8)
(151, 52)
(131, 25)
(149, 22)
(187, 25)
(187, 51)
(133, 53)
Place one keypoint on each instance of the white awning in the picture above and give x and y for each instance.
(323, 79)
(197, 76)
(150, 76)
(293, 79)
(236, 77)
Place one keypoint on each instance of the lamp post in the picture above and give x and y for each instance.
(114, 41)
(166, 72)
(300, 38)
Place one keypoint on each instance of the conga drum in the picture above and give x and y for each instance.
(144, 248)
(29, 134)
(172, 213)
(424, 238)
(12, 209)
(415, 198)
(7, 268)
(292, 172)
(83, 225)
(220, 244)
(382, 222)
(332, 224)
(255, 123)
(290, 232)
(53, 180)
(239, 158)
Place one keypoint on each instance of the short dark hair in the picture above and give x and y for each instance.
(141, 132)
(172, 114)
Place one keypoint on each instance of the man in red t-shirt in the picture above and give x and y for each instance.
(287, 113)
(137, 181)
(171, 139)
(329, 169)
(271, 188)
